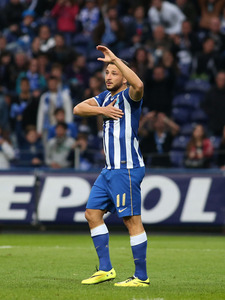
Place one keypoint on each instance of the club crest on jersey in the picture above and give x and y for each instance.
(117, 100)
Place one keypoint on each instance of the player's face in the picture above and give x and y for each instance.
(114, 79)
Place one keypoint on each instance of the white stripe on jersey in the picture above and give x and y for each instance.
(116, 139)
(106, 99)
(136, 144)
(107, 145)
(128, 132)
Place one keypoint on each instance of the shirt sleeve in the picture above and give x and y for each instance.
(132, 102)
(100, 98)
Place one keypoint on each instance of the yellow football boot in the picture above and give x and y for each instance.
(100, 276)
(133, 282)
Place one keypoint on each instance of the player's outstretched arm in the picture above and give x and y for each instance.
(90, 108)
(136, 85)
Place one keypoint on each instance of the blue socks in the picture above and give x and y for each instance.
(100, 237)
(139, 247)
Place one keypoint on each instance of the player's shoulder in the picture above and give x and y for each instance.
(126, 94)
(102, 95)
(100, 98)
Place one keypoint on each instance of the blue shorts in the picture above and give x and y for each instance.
(118, 190)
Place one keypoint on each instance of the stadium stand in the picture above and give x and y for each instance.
(189, 53)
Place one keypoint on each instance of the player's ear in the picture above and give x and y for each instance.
(124, 80)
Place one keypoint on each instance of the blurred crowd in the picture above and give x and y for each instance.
(48, 64)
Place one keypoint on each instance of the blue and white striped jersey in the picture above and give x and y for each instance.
(120, 137)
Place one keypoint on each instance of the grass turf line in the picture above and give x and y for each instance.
(36, 267)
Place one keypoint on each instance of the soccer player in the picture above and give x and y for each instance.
(117, 188)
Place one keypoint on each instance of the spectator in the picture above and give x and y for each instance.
(221, 152)
(7, 152)
(59, 148)
(209, 9)
(166, 14)
(44, 65)
(57, 72)
(159, 85)
(66, 11)
(4, 113)
(78, 77)
(138, 29)
(214, 105)
(187, 39)
(108, 3)
(110, 31)
(3, 44)
(41, 7)
(185, 45)
(89, 17)
(94, 87)
(19, 105)
(20, 64)
(61, 53)
(157, 132)
(215, 34)
(12, 14)
(72, 129)
(28, 25)
(35, 47)
(199, 151)
(86, 156)
(46, 41)
(206, 63)
(49, 101)
(30, 112)
(140, 62)
(6, 71)
(30, 147)
(189, 10)
(160, 43)
(36, 80)
(94, 123)
(100, 76)
(27, 29)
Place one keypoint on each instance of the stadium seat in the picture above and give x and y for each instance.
(81, 39)
(181, 115)
(215, 140)
(177, 158)
(187, 129)
(180, 142)
(197, 85)
(127, 20)
(199, 116)
(185, 68)
(187, 100)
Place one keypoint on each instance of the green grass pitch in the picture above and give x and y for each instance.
(51, 266)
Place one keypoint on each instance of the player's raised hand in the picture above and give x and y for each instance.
(109, 55)
(113, 112)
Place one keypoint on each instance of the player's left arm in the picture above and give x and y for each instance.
(136, 90)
